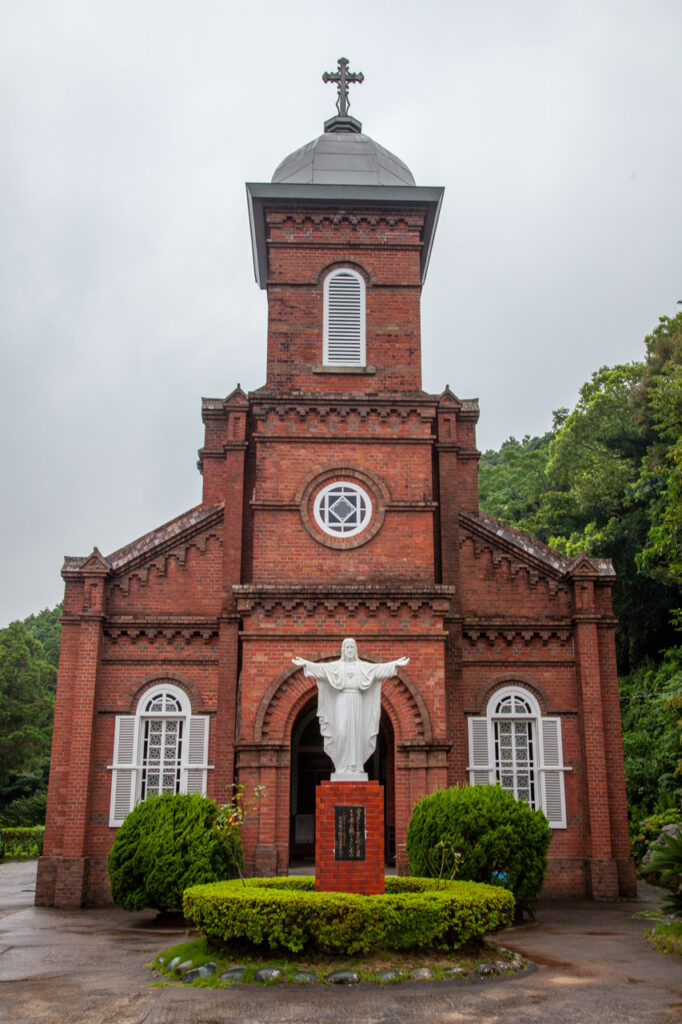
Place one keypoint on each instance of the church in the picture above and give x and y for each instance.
(339, 500)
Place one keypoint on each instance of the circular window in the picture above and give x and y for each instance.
(342, 509)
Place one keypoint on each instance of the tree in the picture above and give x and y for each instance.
(513, 481)
(26, 709)
(46, 628)
(662, 555)
(650, 733)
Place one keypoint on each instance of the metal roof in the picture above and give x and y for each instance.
(343, 158)
(339, 196)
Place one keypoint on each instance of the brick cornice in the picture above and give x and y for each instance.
(422, 405)
(249, 597)
(386, 439)
(167, 627)
(509, 630)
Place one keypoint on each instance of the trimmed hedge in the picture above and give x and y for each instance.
(287, 914)
(21, 842)
(502, 841)
(164, 845)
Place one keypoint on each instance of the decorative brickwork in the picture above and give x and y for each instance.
(221, 598)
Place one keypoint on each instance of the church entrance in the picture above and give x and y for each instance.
(310, 766)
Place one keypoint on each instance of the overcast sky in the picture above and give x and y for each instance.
(127, 131)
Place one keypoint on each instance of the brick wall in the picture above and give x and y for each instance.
(222, 598)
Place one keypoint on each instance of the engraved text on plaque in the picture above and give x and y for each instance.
(349, 833)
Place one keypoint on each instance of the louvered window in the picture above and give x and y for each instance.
(344, 318)
(518, 748)
(161, 749)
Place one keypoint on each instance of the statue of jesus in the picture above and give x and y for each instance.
(348, 707)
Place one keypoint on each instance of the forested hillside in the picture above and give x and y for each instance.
(607, 479)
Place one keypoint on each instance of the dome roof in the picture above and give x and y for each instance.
(343, 158)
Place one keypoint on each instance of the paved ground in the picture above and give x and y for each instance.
(88, 967)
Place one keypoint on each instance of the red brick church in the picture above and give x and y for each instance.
(339, 500)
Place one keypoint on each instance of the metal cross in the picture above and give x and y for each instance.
(344, 78)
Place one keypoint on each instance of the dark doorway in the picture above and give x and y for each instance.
(310, 766)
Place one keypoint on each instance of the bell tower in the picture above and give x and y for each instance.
(341, 242)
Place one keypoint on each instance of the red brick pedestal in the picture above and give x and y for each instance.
(348, 856)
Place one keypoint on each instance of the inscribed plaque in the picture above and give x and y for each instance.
(349, 832)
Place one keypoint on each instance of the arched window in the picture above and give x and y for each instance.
(517, 747)
(163, 748)
(344, 318)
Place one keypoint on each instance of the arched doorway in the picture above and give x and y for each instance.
(310, 766)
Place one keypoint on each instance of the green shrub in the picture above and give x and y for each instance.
(164, 845)
(502, 840)
(286, 913)
(643, 833)
(18, 843)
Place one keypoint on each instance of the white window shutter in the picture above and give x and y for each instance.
(480, 771)
(553, 794)
(124, 775)
(197, 755)
(344, 319)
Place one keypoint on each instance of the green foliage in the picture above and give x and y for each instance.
(650, 732)
(166, 844)
(26, 709)
(28, 810)
(21, 843)
(608, 480)
(287, 914)
(513, 481)
(643, 833)
(662, 556)
(602, 484)
(46, 628)
(666, 861)
(502, 840)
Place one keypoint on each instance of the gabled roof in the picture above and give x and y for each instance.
(534, 550)
(182, 527)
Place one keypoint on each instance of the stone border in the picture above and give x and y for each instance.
(491, 969)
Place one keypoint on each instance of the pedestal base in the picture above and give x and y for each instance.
(349, 837)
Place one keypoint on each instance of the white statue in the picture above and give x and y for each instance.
(348, 707)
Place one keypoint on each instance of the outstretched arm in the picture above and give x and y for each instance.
(388, 668)
(310, 668)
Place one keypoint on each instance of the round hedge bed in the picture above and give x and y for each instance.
(287, 914)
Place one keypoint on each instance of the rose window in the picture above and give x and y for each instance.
(342, 509)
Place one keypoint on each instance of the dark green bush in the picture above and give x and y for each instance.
(25, 811)
(166, 844)
(286, 913)
(18, 843)
(501, 840)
